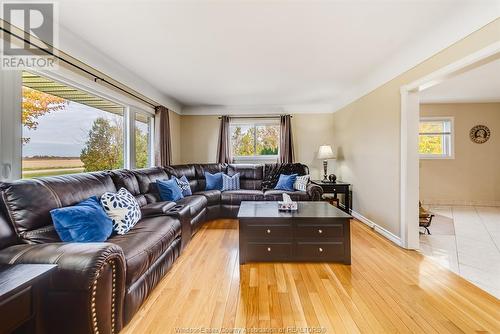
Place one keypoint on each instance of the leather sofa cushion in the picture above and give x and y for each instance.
(145, 243)
(213, 196)
(28, 202)
(146, 178)
(182, 170)
(125, 178)
(234, 197)
(155, 209)
(277, 195)
(250, 175)
(196, 203)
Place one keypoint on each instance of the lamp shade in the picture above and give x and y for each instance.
(325, 152)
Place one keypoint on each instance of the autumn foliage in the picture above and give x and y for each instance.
(36, 104)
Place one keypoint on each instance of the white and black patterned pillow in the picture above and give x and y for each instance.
(183, 183)
(230, 182)
(300, 183)
(122, 208)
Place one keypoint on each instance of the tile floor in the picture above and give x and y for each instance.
(473, 252)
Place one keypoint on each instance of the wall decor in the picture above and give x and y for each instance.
(479, 134)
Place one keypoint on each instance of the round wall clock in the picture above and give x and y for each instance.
(479, 134)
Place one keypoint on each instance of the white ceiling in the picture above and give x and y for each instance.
(481, 84)
(267, 53)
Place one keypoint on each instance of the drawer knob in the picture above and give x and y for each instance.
(268, 249)
(268, 231)
(321, 250)
(320, 231)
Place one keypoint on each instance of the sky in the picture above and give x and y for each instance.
(62, 133)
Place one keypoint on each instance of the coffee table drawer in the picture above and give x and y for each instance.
(320, 251)
(268, 251)
(264, 232)
(305, 230)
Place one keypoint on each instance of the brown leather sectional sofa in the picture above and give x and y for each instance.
(98, 287)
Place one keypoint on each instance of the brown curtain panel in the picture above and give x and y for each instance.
(224, 147)
(286, 142)
(163, 146)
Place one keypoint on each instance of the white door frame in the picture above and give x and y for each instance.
(410, 110)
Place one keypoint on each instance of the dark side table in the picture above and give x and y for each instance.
(337, 188)
(21, 286)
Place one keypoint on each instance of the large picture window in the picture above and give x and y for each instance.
(436, 138)
(255, 139)
(67, 130)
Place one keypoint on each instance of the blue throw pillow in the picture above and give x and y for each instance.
(230, 182)
(169, 190)
(183, 183)
(214, 181)
(286, 182)
(83, 222)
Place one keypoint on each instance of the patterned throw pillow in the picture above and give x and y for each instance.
(183, 183)
(230, 182)
(122, 208)
(301, 183)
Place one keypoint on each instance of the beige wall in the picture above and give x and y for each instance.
(473, 176)
(175, 132)
(367, 132)
(200, 134)
(199, 138)
(310, 131)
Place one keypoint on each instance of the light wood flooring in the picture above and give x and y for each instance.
(385, 290)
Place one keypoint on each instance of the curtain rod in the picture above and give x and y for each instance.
(96, 78)
(248, 116)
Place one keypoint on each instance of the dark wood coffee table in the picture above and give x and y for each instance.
(316, 232)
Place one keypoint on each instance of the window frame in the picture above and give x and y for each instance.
(254, 122)
(448, 147)
(12, 120)
(151, 125)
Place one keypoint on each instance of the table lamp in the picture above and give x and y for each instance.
(326, 152)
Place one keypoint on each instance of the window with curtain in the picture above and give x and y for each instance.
(435, 140)
(255, 139)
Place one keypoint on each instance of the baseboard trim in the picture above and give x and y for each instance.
(377, 228)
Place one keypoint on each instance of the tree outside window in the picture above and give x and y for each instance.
(255, 140)
(435, 138)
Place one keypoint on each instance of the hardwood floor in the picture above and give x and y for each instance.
(385, 290)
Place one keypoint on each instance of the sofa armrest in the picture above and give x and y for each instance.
(183, 213)
(85, 293)
(157, 209)
(314, 191)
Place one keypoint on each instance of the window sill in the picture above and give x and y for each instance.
(256, 159)
(436, 157)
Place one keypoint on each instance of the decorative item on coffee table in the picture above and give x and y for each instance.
(287, 204)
